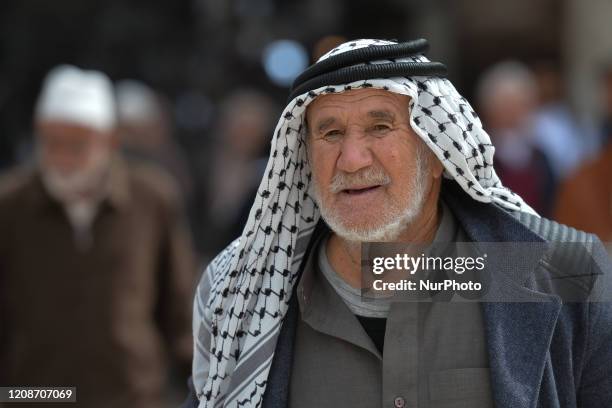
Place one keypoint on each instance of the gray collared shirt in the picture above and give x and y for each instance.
(434, 353)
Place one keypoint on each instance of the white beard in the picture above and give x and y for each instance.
(79, 192)
(68, 187)
(396, 220)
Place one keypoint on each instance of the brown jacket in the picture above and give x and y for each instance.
(585, 199)
(104, 319)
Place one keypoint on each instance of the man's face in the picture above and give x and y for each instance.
(371, 172)
(72, 157)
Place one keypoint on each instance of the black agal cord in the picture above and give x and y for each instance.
(342, 68)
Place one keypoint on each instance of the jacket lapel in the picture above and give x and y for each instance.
(518, 333)
(279, 378)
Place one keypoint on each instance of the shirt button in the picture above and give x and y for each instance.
(399, 402)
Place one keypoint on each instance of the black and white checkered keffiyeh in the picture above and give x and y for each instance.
(244, 293)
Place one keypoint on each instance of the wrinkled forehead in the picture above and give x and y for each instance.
(369, 102)
(356, 96)
(381, 91)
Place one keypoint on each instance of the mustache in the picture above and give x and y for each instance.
(368, 176)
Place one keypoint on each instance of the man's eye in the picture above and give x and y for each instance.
(381, 128)
(332, 134)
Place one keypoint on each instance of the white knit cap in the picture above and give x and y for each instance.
(77, 96)
(136, 102)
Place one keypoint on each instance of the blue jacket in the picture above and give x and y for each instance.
(543, 352)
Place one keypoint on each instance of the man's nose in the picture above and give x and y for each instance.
(355, 153)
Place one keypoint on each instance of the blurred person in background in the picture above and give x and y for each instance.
(237, 163)
(145, 131)
(556, 132)
(507, 96)
(96, 269)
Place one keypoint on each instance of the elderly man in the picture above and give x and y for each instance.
(95, 263)
(375, 146)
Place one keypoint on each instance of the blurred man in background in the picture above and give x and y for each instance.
(507, 97)
(145, 131)
(96, 268)
(556, 131)
(237, 163)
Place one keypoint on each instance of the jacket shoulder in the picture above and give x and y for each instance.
(15, 183)
(552, 231)
(153, 183)
(575, 264)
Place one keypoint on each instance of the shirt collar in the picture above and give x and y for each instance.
(324, 311)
